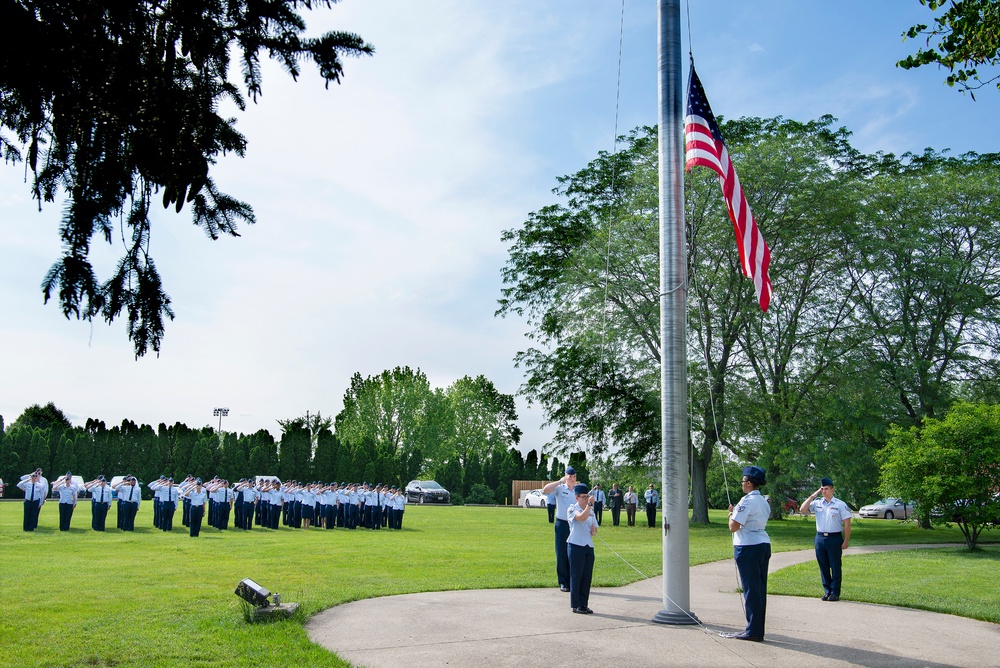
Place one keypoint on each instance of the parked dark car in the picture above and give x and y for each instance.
(426, 491)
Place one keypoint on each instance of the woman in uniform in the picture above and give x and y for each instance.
(752, 552)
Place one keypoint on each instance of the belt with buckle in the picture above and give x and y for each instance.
(832, 533)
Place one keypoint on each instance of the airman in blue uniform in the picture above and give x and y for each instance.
(752, 552)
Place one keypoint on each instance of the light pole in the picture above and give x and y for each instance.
(221, 412)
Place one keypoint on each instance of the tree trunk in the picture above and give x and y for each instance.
(699, 486)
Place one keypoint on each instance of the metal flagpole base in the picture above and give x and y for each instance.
(676, 618)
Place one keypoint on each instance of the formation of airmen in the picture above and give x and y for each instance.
(267, 503)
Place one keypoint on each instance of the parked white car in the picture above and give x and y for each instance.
(535, 499)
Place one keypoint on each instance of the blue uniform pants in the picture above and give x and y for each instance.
(828, 556)
(167, 509)
(65, 516)
(196, 513)
(581, 572)
(751, 562)
(552, 513)
(98, 515)
(562, 555)
(131, 508)
(30, 515)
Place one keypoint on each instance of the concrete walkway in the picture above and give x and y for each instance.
(534, 627)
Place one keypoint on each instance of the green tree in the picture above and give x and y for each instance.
(324, 459)
(473, 474)
(202, 463)
(388, 409)
(950, 464)
(118, 104)
(43, 417)
(39, 453)
(557, 470)
(965, 37)
(314, 423)
(233, 461)
(578, 460)
(449, 476)
(294, 454)
(484, 418)
(926, 255)
(585, 275)
(65, 459)
(531, 465)
(481, 494)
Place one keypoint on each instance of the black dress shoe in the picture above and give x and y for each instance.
(742, 636)
(826, 597)
(580, 611)
(585, 610)
(564, 588)
(833, 597)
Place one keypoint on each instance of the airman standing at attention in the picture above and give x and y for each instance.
(599, 499)
(751, 551)
(652, 498)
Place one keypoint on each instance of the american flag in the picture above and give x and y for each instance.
(705, 147)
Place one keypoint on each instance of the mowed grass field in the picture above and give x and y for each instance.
(149, 598)
(948, 579)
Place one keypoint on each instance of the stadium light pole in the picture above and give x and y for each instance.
(221, 412)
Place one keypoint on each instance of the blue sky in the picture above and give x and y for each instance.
(380, 202)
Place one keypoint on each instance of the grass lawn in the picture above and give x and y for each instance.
(946, 579)
(148, 598)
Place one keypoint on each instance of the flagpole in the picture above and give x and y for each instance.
(673, 346)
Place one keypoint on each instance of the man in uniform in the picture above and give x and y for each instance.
(599, 499)
(168, 505)
(652, 498)
(616, 500)
(129, 496)
(565, 497)
(833, 534)
(68, 494)
(35, 489)
(100, 500)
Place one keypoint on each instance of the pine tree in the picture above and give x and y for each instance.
(531, 466)
(65, 459)
(118, 103)
(324, 459)
(202, 464)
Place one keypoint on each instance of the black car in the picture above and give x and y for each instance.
(427, 491)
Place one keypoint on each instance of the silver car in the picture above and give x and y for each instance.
(890, 508)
